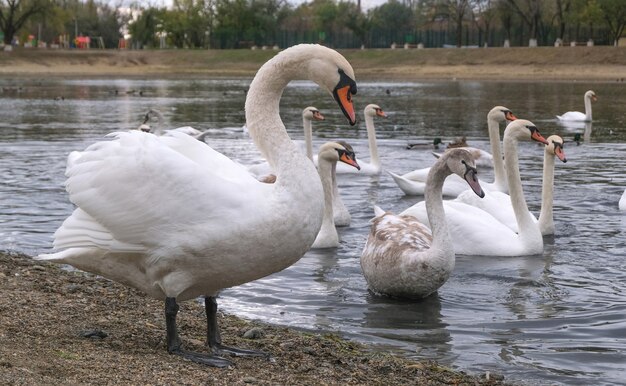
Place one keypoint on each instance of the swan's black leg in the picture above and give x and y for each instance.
(214, 341)
(174, 345)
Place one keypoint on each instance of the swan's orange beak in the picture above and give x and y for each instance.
(345, 158)
(318, 116)
(558, 150)
(381, 113)
(343, 95)
(535, 135)
(509, 116)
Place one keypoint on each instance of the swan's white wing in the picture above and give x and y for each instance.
(412, 186)
(144, 190)
(409, 187)
(496, 203)
(187, 130)
(572, 116)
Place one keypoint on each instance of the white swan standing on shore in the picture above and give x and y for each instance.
(329, 154)
(214, 226)
(414, 183)
(402, 258)
(498, 204)
(373, 167)
(577, 115)
(476, 232)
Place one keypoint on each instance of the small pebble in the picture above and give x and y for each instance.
(94, 334)
(253, 333)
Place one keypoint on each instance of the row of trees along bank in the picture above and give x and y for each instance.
(339, 24)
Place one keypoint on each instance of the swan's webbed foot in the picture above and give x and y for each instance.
(214, 341)
(220, 349)
(204, 359)
(174, 345)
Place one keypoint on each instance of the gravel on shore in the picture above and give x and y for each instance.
(65, 327)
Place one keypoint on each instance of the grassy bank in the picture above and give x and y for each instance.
(541, 63)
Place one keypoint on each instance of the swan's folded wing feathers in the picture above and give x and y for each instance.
(143, 191)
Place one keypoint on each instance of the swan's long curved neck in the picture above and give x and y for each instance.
(588, 116)
(160, 124)
(520, 208)
(499, 179)
(546, 220)
(308, 137)
(371, 137)
(262, 111)
(434, 207)
(326, 171)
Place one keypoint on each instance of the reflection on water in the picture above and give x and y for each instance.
(555, 318)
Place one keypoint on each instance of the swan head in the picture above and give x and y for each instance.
(338, 151)
(374, 110)
(312, 114)
(501, 114)
(144, 127)
(461, 163)
(555, 147)
(524, 129)
(331, 71)
(591, 95)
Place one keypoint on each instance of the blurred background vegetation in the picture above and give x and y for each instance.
(219, 24)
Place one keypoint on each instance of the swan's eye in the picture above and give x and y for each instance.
(345, 80)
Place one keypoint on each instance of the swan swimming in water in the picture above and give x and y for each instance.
(373, 167)
(475, 231)
(498, 204)
(159, 130)
(402, 257)
(577, 115)
(215, 226)
(329, 154)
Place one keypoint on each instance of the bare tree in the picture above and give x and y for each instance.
(615, 17)
(15, 13)
(483, 14)
(530, 12)
(562, 9)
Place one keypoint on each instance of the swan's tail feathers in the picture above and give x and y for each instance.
(80, 230)
(71, 160)
(559, 117)
(201, 136)
(436, 155)
(65, 256)
(409, 188)
(378, 211)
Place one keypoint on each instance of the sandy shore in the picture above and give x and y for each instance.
(605, 64)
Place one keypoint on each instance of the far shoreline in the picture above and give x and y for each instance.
(555, 64)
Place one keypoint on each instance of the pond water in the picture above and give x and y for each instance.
(556, 318)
